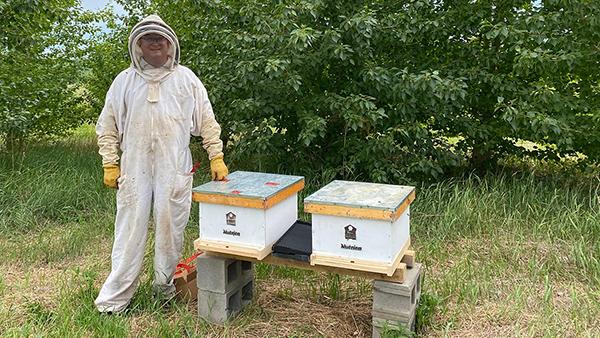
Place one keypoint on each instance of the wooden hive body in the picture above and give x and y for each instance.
(248, 213)
(362, 226)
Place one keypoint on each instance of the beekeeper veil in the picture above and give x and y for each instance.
(153, 24)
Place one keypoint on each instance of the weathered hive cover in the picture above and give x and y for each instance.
(249, 189)
(360, 199)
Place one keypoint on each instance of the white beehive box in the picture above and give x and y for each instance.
(360, 226)
(246, 214)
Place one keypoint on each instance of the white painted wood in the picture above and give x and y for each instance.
(250, 224)
(378, 240)
(401, 231)
(254, 227)
(280, 218)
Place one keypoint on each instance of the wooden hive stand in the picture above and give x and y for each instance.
(407, 261)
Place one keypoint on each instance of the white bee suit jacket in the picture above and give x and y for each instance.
(148, 117)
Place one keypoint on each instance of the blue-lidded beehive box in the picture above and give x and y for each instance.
(246, 214)
(361, 226)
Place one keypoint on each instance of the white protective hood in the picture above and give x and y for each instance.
(152, 24)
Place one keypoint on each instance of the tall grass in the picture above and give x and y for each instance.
(521, 204)
(494, 249)
(51, 184)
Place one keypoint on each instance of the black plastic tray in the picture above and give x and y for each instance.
(296, 243)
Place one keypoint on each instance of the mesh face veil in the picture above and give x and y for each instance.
(153, 24)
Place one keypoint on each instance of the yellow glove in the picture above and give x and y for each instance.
(111, 173)
(218, 169)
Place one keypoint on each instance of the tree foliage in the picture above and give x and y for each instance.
(42, 59)
(376, 90)
(385, 90)
(107, 53)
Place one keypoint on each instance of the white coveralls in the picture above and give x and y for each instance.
(149, 115)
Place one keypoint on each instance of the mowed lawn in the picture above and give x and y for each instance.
(505, 255)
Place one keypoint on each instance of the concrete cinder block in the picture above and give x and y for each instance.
(248, 292)
(412, 280)
(247, 269)
(395, 317)
(380, 326)
(398, 298)
(217, 307)
(394, 321)
(221, 275)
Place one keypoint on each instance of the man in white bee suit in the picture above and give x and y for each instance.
(151, 110)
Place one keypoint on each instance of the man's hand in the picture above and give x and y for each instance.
(111, 174)
(218, 169)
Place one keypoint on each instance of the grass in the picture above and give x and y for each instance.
(505, 255)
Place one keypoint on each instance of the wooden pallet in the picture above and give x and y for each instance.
(407, 261)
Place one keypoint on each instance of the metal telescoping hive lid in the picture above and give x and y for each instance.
(249, 189)
(360, 200)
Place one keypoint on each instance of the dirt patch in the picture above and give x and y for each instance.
(300, 314)
(26, 285)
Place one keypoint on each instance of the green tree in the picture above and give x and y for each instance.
(42, 53)
(387, 90)
(107, 54)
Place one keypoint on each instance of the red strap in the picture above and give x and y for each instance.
(196, 166)
(186, 264)
(273, 184)
(192, 257)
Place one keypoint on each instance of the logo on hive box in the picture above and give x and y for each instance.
(350, 232)
(230, 218)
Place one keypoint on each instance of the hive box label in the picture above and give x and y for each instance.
(230, 232)
(351, 247)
